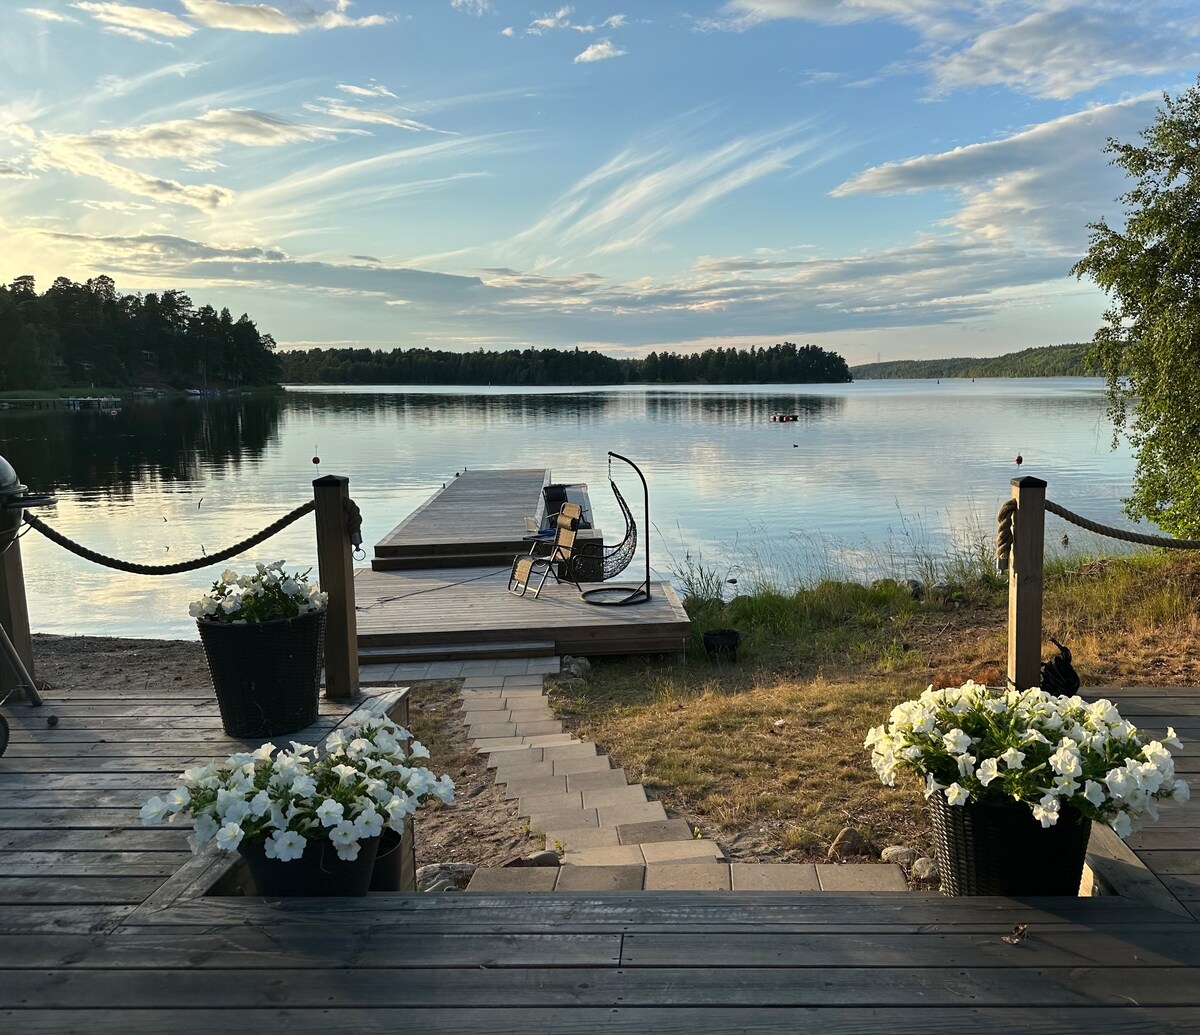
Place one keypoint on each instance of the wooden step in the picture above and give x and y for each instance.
(456, 652)
(506, 544)
(420, 562)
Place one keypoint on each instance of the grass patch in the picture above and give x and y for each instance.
(766, 753)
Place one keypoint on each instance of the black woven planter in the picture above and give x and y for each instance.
(318, 872)
(722, 643)
(267, 675)
(998, 848)
(395, 867)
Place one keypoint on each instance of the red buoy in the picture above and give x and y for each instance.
(316, 459)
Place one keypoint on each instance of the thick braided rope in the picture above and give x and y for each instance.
(1004, 533)
(168, 569)
(1119, 533)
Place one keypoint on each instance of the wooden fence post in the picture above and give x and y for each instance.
(1025, 584)
(335, 567)
(14, 611)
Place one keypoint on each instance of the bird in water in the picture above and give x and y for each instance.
(1066, 539)
(1020, 459)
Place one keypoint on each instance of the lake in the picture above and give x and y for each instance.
(873, 477)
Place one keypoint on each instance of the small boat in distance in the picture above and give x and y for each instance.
(784, 418)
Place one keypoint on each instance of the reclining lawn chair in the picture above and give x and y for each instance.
(533, 568)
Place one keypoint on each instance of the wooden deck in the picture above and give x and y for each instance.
(474, 606)
(101, 932)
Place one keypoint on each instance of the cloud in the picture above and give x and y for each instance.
(602, 50)
(136, 21)
(509, 31)
(1043, 184)
(631, 199)
(189, 140)
(477, 7)
(121, 86)
(379, 118)
(374, 90)
(220, 14)
(49, 16)
(560, 19)
(165, 246)
(1045, 48)
(614, 22)
(10, 170)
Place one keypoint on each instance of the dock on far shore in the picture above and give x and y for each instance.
(437, 589)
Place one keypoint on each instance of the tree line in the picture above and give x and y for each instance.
(81, 334)
(784, 363)
(1047, 361)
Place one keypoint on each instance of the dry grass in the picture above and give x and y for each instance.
(766, 754)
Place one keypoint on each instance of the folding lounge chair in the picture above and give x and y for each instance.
(533, 568)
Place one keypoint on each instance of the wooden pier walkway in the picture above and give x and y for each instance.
(101, 932)
(438, 586)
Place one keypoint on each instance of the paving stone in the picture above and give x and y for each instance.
(512, 754)
(543, 785)
(540, 804)
(520, 680)
(861, 877)
(496, 718)
(376, 673)
(550, 739)
(667, 876)
(524, 696)
(482, 683)
(479, 703)
(527, 713)
(509, 879)
(566, 766)
(579, 838)
(538, 727)
(610, 855)
(444, 670)
(479, 667)
(529, 771)
(411, 670)
(773, 877)
(615, 815)
(682, 852)
(600, 878)
(580, 749)
(634, 794)
(491, 730)
(565, 818)
(600, 778)
(544, 666)
(655, 830)
(514, 667)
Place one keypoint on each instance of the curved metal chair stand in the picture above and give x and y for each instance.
(615, 559)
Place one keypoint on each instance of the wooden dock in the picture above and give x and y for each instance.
(438, 586)
(104, 927)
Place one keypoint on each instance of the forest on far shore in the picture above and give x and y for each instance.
(784, 363)
(1046, 361)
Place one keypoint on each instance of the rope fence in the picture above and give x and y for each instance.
(1006, 515)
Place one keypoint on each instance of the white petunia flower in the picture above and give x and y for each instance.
(957, 795)
(153, 811)
(260, 804)
(1172, 740)
(1094, 793)
(418, 750)
(346, 773)
(343, 835)
(329, 812)
(285, 845)
(204, 829)
(988, 770)
(368, 823)
(1013, 758)
(178, 800)
(1122, 825)
(236, 812)
(1180, 791)
(230, 836)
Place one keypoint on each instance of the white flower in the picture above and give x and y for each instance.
(1065, 761)
(343, 834)
(153, 811)
(329, 812)
(285, 845)
(956, 742)
(236, 812)
(988, 771)
(1122, 825)
(260, 804)
(1094, 793)
(346, 773)
(966, 765)
(1120, 782)
(1013, 758)
(1180, 791)
(1046, 811)
(957, 795)
(368, 823)
(445, 788)
(229, 575)
(230, 836)
(932, 786)
(418, 750)
(290, 587)
(1172, 740)
(304, 786)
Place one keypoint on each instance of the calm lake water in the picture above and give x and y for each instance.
(872, 477)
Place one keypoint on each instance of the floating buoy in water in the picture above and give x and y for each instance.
(1020, 459)
(316, 459)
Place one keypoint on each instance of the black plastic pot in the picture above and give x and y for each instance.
(317, 873)
(267, 675)
(722, 643)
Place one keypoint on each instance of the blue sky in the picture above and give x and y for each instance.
(890, 178)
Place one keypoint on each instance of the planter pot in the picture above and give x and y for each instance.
(998, 848)
(318, 872)
(722, 643)
(267, 675)
(395, 865)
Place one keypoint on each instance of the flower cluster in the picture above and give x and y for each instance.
(270, 593)
(372, 776)
(972, 743)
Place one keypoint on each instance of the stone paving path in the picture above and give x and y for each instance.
(611, 836)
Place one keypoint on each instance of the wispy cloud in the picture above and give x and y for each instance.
(477, 7)
(601, 50)
(49, 16)
(123, 86)
(338, 110)
(240, 17)
(136, 21)
(374, 90)
(11, 170)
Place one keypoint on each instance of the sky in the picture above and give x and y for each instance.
(885, 178)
